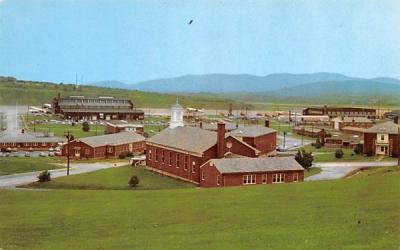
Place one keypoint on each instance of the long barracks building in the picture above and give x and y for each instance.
(341, 111)
(98, 108)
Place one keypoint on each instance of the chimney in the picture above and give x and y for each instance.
(266, 123)
(221, 140)
(396, 119)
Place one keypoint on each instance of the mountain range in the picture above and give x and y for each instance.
(274, 84)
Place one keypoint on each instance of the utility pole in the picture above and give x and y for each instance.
(284, 140)
(69, 137)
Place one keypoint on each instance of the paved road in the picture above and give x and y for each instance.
(11, 181)
(292, 143)
(337, 170)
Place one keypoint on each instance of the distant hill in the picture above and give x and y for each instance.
(342, 88)
(111, 84)
(218, 83)
(227, 83)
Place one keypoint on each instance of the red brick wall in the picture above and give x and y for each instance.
(395, 143)
(210, 174)
(177, 168)
(239, 148)
(27, 146)
(266, 143)
(87, 151)
(369, 143)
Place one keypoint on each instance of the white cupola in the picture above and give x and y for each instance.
(176, 115)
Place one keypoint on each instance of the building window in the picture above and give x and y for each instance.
(156, 153)
(170, 158)
(185, 162)
(87, 151)
(193, 167)
(382, 149)
(203, 175)
(218, 180)
(110, 149)
(278, 178)
(264, 179)
(162, 156)
(177, 160)
(249, 179)
(150, 155)
(296, 177)
(382, 137)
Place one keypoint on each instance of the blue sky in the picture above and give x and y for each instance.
(130, 41)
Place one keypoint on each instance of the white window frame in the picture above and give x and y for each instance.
(218, 180)
(249, 179)
(278, 178)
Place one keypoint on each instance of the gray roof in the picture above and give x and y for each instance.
(388, 127)
(214, 126)
(101, 110)
(251, 165)
(192, 139)
(123, 124)
(350, 119)
(112, 139)
(252, 131)
(17, 137)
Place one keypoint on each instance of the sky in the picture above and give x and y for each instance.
(136, 40)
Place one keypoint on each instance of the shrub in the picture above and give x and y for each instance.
(122, 156)
(85, 126)
(339, 153)
(304, 159)
(359, 148)
(129, 154)
(44, 176)
(133, 181)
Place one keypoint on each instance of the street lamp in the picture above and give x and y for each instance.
(69, 137)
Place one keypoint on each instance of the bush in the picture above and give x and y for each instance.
(85, 126)
(122, 156)
(129, 154)
(359, 148)
(339, 153)
(304, 159)
(44, 176)
(133, 181)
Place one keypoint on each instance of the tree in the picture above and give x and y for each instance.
(304, 159)
(44, 176)
(339, 153)
(85, 126)
(359, 148)
(133, 181)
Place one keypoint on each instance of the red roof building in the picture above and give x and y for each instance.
(250, 171)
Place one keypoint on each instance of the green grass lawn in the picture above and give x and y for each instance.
(364, 172)
(324, 154)
(14, 165)
(60, 129)
(115, 178)
(362, 213)
(312, 171)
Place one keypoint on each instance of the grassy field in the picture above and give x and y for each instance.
(312, 171)
(362, 213)
(324, 154)
(14, 165)
(37, 93)
(114, 178)
(60, 129)
(364, 172)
